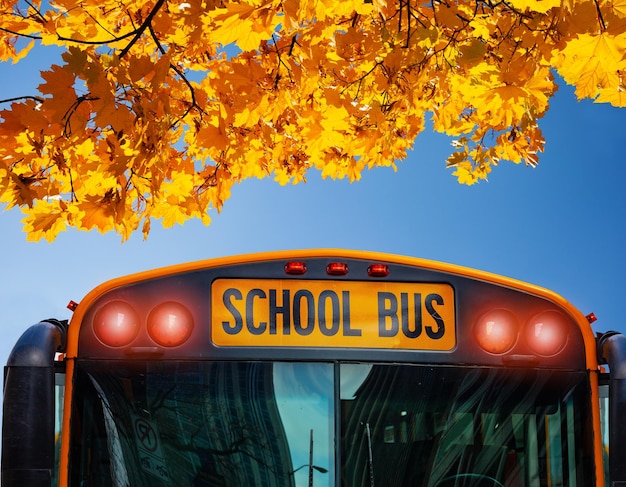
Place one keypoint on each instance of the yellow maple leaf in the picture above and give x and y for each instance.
(243, 24)
(46, 219)
(472, 53)
(593, 61)
(481, 26)
(614, 96)
(540, 6)
(95, 212)
(464, 174)
(94, 183)
(170, 212)
(22, 190)
(619, 6)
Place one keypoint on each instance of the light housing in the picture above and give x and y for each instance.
(337, 269)
(170, 324)
(116, 324)
(496, 331)
(378, 270)
(295, 268)
(546, 332)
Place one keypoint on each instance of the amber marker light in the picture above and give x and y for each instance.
(116, 324)
(496, 331)
(546, 332)
(170, 324)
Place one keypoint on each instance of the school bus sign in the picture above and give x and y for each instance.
(309, 313)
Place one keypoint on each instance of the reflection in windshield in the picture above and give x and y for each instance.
(466, 427)
(276, 425)
(205, 424)
(304, 395)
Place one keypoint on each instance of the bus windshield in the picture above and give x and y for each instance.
(201, 423)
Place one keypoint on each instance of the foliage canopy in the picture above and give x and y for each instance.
(158, 107)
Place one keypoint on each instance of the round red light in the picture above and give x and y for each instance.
(496, 331)
(170, 324)
(116, 324)
(547, 332)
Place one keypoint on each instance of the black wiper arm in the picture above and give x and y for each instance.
(370, 456)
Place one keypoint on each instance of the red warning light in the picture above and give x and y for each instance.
(337, 269)
(378, 270)
(72, 305)
(547, 332)
(170, 324)
(295, 268)
(496, 331)
(116, 324)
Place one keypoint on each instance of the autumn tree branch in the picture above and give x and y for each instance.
(183, 77)
(27, 97)
(98, 43)
(146, 23)
(210, 181)
(37, 11)
(281, 62)
(67, 128)
(600, 17)
(135, 33)
(28, 36)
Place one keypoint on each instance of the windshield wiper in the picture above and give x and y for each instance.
(370, 456)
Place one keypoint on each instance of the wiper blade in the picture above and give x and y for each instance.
(370, 458)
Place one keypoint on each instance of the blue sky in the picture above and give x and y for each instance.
(560, 225)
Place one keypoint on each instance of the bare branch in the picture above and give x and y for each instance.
(135, 33)
(146, 23)
(37, 11)
(183, 77)
(9, 100)
(28, 36)
(600, 17)
(98, 43)
(67, 129)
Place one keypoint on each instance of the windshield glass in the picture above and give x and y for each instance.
(277, 424)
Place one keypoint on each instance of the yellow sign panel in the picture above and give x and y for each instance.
(330, 314)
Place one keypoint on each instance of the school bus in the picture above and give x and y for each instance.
(316, 368)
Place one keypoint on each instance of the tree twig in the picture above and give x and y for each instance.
(9, 100)
(146, 23)
(28, 36)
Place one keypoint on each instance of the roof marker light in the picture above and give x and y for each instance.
(170, 324)
(496, 331)
(295, 268)
(116, 324)
(378, 270)
(337, 269)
